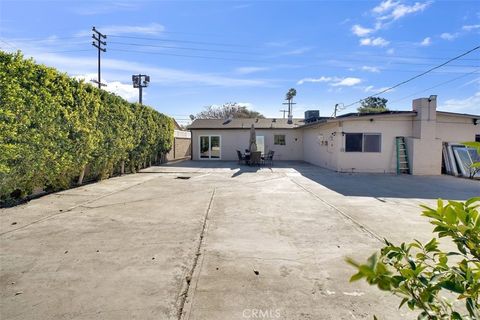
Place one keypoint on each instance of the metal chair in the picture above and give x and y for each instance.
(269, 157)
(241, 157)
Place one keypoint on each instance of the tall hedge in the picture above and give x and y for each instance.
(56, 131)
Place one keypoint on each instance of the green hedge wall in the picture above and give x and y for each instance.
(56, 131)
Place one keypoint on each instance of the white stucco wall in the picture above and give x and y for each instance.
(237, 139)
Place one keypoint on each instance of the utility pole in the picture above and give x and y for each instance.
(290, 104)
(337, 108)
(140, 81)
(97, 36)
(284, 111)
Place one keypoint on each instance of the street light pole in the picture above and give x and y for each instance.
(140, 81)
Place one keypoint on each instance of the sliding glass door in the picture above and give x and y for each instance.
(210, 147)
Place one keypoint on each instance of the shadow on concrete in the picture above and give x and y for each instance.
(242, 168)
(394, 186)
(354, 184)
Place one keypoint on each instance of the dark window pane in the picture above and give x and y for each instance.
(353, 142)
(371, 143)
(215, 147)
(204, 147)
(279, 139)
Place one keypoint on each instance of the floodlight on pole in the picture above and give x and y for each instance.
(140, 81)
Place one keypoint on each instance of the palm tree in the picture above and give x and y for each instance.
(291, 93)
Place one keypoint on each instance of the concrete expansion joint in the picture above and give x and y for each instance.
(342, 213)
(186, 285)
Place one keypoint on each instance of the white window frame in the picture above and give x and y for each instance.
(209, 146)
(363, 142)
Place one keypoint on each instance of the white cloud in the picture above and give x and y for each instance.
(126, 91)
(402, 10)
(116, 68)
(333, 81)
(321, 79)
(150, 29)
(467, 105)
(391, 51)
(297, 51)
(361, 31)
(370, 69)
(248, 70)
(370, 89)
(347, 82)
(471, 27)
(426, 42)
(449, 36)
(385, 6)
(386, 12)
(374, 42)
(247, 105)
(105, 7)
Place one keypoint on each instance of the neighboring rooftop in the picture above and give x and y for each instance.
(245, 123)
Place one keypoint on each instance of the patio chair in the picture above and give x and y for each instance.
(255, 158)
(241, 157)
(269, 158)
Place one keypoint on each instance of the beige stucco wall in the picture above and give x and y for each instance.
(383, 161)
(456, 129)
(324, 144)
(321, 145)
(232, 140)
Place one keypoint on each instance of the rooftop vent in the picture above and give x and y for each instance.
(228, 120)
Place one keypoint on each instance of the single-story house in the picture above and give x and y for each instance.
(348, 143)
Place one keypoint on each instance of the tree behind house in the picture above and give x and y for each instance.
(373, 105)
(228, 110)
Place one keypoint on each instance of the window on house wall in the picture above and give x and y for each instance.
(363, 142)
(477, 137)
(353, 142)
(279, 139)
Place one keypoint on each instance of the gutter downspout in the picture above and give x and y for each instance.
(191, 144)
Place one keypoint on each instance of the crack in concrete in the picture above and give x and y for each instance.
(188, 278)
(62, 211)
(342, 213)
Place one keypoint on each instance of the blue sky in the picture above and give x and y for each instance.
(201, 53)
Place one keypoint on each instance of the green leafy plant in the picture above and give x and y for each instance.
(430, 279)
(475, 166)
(55, 131)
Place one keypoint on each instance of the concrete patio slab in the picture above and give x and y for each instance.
(224, 242)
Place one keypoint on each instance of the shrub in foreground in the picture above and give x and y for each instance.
(427, 278)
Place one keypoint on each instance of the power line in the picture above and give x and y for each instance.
(414, 77)
(180, 48)
(436, 86)
(256, 60)
(181, 41)
(185, 55)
